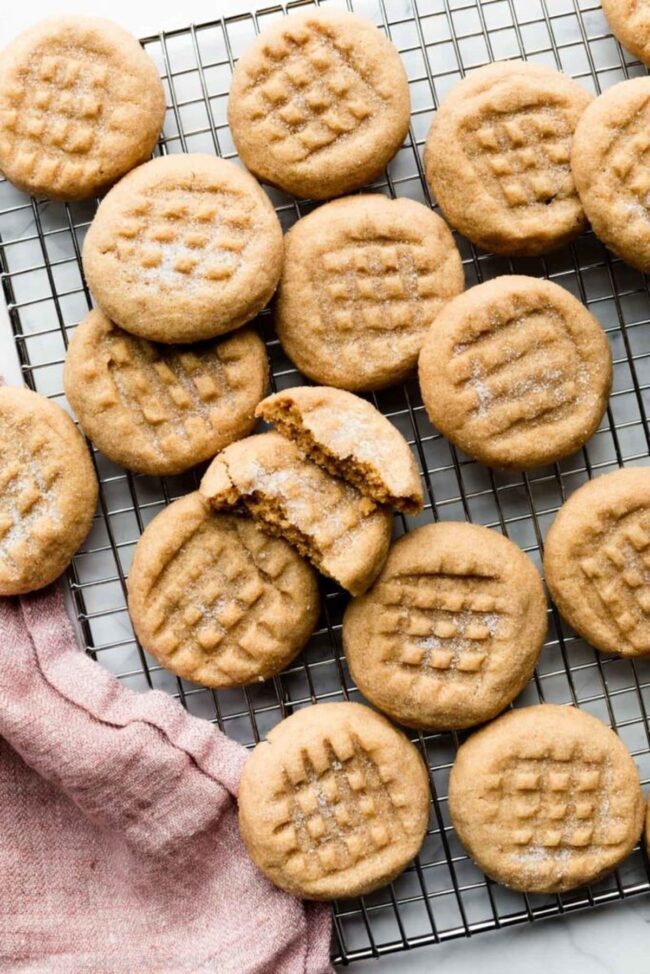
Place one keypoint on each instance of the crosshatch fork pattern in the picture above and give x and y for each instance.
(442, 896)
(339, 813)
(543, 819)
(524, 155)
(297, 108)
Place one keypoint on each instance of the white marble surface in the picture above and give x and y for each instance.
(613, 939)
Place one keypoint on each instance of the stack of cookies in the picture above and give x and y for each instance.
(444, 627)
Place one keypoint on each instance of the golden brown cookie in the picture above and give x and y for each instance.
(516, 372)
(48, 491)
(497, 158)
(159, 409)
(80, 104)
(217, 601)
(335, 803)
(611, 167)
(597, 561)
(545, 799)
(350, 439)
(327, 520)
(319, 103)
(184, 248)
(363, 279)
(630, 24)
(451, 631)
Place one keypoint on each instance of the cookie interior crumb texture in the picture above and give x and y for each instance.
(452, 629)
(319, 103)
(349, 438)
(516, 372)
(329, 522)
(80, 105)
(497, 158)
(48, 491)
(184, 248)
(216, 600)
(596, 560)
(335, 803)
(546, 799)
(160, 409)
(363, 279)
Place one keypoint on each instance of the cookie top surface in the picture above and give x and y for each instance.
(497, 157)
(516, 372)
(327, 520)
(597, 561)
(184, 248)
(159, 409)
(48, 491)
(335, 803)
(545, 799)
(611, 167)
(630, 23)
(351, 439)
(363, 279)
(319, 103)
(215, 600)
(80, 105)
(451, 630)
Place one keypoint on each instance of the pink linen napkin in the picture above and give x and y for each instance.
(119, 846)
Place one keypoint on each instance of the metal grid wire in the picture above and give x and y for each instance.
(443, 895)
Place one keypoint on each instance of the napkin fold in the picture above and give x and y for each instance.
(119, 845)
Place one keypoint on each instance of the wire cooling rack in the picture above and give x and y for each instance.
(443, 895)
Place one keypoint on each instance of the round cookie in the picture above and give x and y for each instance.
(597, 561)
(159, 409)
(335, 803)
(48, 491)
(516, 372)
(80, 105)
(328, 521)
(363, 279)
(349, 438)
(184, 248)
(319, 104)
(497, 158)
(546, 799)
(630, 24)
(611, 167)
(451, 631)
(215, 600)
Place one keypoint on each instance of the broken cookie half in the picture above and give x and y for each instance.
(330, 522)
(350, 439)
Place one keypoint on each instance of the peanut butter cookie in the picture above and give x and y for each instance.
(497, 158)
(597, 561)
(327, 520)
(545, 799)
(217, 601)
(319, 103)
(516, 372)
(80, 105)
(611, 167)
(451, 631)
(48, 491)
(363, 279)
(630, 24)
(159, 409)
(335, 803)
(184, 248)
(350, 439)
